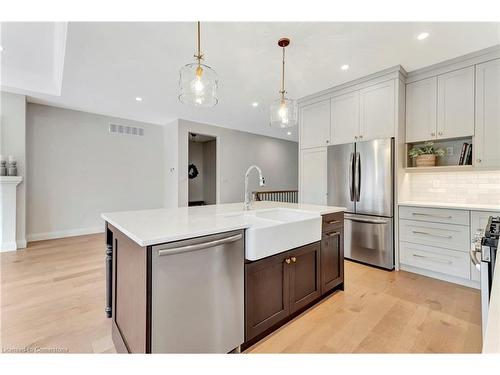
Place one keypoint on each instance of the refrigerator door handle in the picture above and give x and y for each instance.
(357, 177)
(351, 177)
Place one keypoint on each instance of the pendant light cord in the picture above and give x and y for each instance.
(283, 76)
(199, 56)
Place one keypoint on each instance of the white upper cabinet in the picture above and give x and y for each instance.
(345, 118)
(313, 176)
(421, 110)
(315, 124)
(487, 146)
(377, 111)
(455, 113)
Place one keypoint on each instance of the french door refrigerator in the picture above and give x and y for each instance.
(361, 178)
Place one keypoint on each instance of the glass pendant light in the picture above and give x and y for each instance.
(283, 110)
(198, 82)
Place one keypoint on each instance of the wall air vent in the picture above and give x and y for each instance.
(125, 130)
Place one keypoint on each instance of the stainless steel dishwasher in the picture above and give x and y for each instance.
(198, 294)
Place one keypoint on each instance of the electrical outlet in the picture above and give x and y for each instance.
(449, 150)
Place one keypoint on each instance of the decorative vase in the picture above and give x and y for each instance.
(426, 160)
(3, 168)
(12, 171)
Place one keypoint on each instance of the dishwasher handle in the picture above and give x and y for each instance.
(199, 246)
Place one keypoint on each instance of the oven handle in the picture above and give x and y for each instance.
(473, 256)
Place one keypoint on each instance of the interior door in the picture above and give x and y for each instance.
(340, 176)
(374, 177)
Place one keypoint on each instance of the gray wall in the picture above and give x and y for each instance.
(77, 170)
(236, 151)
(13, 142)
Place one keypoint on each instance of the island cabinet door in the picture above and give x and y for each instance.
(267, 296)
(332, 259)
(304, 276)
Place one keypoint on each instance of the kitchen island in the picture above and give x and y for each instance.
(225, 296)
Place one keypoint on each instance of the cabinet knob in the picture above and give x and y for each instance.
(479, 160)
(433, 134)
(360, 137)
(294, 259)
(355, 137)
(327, 141)
(287, 260)
(440, 133)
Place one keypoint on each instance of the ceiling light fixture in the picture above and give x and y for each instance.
(1, 49)
(198, 82)
(344, 67)
(255, 104)
(422, 36)
(138, 98)
(283, 110)
(288, 133)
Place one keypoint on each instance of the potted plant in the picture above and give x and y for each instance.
(425, 155)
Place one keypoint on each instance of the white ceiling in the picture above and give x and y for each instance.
(107, 65)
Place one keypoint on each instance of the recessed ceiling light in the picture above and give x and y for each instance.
(422, 36)
(344, 67)
(138, 98)
(255, 104)
(1, 48)
(288, 133)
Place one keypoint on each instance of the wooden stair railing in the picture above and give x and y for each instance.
(289, 196)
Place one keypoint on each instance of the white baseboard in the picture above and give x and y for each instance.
(441, 276)
(64, 233)
(21, 244)
(8, 246)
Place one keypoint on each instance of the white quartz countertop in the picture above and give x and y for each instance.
(491, 342)
(455, 206)
(155, 226)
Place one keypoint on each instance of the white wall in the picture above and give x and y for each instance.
(171, 158)
(209, 172)
(79, 170)
(13, 142)
(477, 187)
(236, 151)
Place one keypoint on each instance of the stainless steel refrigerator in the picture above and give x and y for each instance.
(361, 178)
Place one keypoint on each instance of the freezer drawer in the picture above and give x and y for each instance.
(198, 295)
(369, 239)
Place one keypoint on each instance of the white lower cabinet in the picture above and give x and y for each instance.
(313, 176)
(435, 242)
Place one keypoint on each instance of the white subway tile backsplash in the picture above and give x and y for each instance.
(460, 187)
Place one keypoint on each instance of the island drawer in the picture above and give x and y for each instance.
(450, 262)
(332, 221)
(455, 237)
(435, 215)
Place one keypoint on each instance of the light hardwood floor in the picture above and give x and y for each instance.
(53, 293)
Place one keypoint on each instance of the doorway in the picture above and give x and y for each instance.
(202, 169)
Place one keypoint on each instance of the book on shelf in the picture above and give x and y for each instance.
(468, 157)
(463, 153)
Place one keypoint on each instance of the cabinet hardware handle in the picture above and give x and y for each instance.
(432, 234)
(199, 246)
(434, 259)
(333, 234)
(440, 133)
(431, 215)
(327, 141)
(287, 260)
(333, 222)
(355, 137)
(294, 259)
(433, 134)
(360, 137)
(479, 160)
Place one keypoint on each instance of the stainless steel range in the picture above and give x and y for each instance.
(483, 254)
